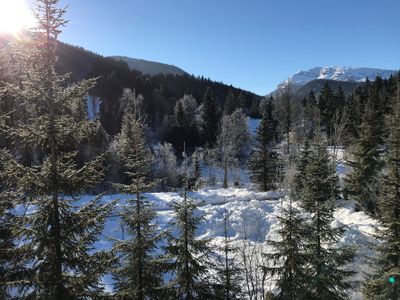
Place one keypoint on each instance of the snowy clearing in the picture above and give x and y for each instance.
(253, 216)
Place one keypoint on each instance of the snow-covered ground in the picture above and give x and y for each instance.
(252, 221)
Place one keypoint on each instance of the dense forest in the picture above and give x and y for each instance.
(156, 134)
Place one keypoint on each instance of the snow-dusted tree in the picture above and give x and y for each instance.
(384, 283)
(188, 255)
(263, 161)
(283, 113)
(211, 159)
(197, 158)
(185, 111)
(288, 259)
(165, 165)
(134, 102)
(233, 140)
(57, 233)
(185, 128)
(138, 273)
(228, 272)
(326, 266)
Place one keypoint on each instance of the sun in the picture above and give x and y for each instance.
(14, 16)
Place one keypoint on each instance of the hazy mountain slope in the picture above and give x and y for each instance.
(316, 86)
(150, 67)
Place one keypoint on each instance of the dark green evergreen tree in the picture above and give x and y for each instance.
(339, 99)
(58, 232)
(9, 269)
(242, 101)
(138, 273)
(188, 256)
(210, 117)
(328, 277)
(230, 103)
(301, 167)
(289, 257)
(361, 184)
(311, 115)
(228, 272)
(385, 282)
(263, 161)
(327, 106)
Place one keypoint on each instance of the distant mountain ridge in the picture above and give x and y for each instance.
(148, 67)
(349, 78)
(339, 74)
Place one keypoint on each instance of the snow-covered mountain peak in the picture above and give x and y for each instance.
(338, 74)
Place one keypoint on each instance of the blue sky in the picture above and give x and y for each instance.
(253, 45)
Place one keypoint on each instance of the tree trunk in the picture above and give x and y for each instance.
(225, 173)
(140, 263)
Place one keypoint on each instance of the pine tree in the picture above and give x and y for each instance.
(58, 232)
(385, 282)
(289, 258)
(328, 279)
(301, 167)
(188, 255)
(262, 163)
(9, 269)
(230, 103)
(210, 117)
(310, 115)
(339, 98)
(366, 164)
(326, 105)
(228, 273)
(241, 101)
(139, 272)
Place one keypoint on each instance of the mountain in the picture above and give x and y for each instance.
(150, 67)
(346, 77)
(338, 74)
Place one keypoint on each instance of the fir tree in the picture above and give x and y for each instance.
(230, 103)
(328, 279)
(241, 101)
(210, 117)
(289, 259)
(385, 282)
(326, 105)
(57, 233)
(9, 268)
(228, 273)
(188, 256)
(139, 272)
(340, 99)
(366, 164)
(263, 160)
(301, 167)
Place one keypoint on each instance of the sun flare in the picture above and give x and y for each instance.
(14, 16)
